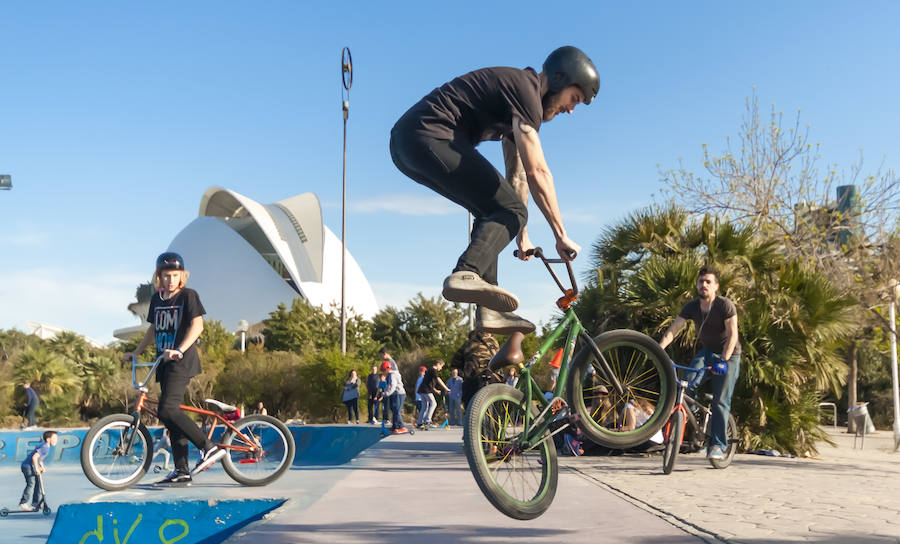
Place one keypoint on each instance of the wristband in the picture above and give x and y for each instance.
(179, 351)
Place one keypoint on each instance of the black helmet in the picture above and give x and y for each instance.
(169, 261)
(570, 66)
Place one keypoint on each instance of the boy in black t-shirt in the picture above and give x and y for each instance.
(717, 330)
(176, 321)
(431, 384)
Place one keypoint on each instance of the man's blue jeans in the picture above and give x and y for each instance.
(397, 409)
(722, 389)
(455, 412)
(32, 494)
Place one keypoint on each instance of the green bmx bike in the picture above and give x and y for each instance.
(509, 430)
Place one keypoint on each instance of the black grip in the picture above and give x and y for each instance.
(536, 251)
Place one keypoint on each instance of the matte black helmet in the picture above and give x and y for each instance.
(169, 261)
(570, 66)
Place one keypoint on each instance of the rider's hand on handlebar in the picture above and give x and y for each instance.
(525, 246)
(127, 357)
(171, 355)
(566, 248)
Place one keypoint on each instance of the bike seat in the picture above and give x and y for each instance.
(510, 354)
(220, 405)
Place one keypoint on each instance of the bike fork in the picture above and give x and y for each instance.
(135, 423)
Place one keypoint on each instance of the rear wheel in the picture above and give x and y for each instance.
(732, 436)
(519, 482)
(648, 381)
(674, 435)
(104, 458)
(260, 452)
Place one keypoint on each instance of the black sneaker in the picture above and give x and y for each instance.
(176, 477)
(210, 456)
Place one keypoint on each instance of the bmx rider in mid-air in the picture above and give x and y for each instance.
(434, 144)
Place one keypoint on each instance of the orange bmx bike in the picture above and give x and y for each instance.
(118, 449)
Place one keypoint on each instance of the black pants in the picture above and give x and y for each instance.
(182, 429)
(457, 171)
(370, 404)
(470, 386)
(352, 410)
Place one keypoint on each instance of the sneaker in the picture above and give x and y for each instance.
(401, 430)
(176, 477)
(716, 453)
(467, 286)
(501, 322)
(26, 507)
(209, 458)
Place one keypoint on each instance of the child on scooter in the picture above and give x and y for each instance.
(32, 468)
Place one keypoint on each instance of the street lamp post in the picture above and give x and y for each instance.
(892, 315)
(347, 81)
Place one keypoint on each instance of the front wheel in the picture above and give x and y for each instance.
(648, 381)
(674, 433)
(732, 437)
(115, 455)
(518, 480)
(260, 452)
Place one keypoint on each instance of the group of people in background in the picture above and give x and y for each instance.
(386, 393)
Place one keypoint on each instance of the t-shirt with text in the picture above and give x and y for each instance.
(170, 320)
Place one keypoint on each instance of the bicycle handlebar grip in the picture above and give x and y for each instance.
(537, 252)
(571, 255)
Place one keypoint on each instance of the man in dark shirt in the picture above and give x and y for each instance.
(434, 144)
(372, 388)
(717, 330)
(32, 401)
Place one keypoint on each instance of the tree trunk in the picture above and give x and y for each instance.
(851, 384)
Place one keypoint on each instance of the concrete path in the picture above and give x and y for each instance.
(418, 488)
(414, 489)
(845, 496)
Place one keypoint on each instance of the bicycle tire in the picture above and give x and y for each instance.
(270, 462)
(673, 441)
(643, 369)
(102, 460)
(494, 413)
(728, 457)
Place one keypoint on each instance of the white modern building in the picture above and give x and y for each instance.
(245, 258)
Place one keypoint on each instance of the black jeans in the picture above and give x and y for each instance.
(457, 171)
(182, 429)
(352, 410)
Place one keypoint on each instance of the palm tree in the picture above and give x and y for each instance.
(791, 320)
(70, 345)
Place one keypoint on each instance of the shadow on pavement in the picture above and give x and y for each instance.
(385, 533)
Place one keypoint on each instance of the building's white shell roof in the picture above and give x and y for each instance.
(232, 250)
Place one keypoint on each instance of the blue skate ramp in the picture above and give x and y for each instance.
(185, 521)
(332, 445)
(316, 444)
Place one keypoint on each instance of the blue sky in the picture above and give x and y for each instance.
(115, 117)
